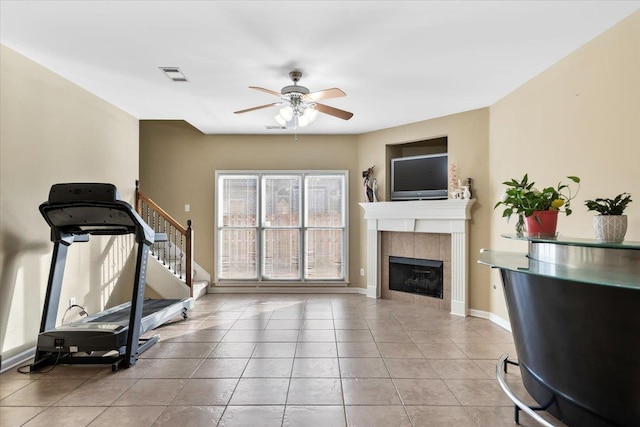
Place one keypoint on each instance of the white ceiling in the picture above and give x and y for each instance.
(398, 61)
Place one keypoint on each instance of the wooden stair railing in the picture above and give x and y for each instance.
(176, 253)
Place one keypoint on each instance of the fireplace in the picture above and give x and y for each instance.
(415, 218)
(416, 276)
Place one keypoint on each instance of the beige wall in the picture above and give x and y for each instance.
(53, 131)
(468, 147)
(178, 165)
(579, 117)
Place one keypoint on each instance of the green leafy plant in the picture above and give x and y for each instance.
(614, 206)
(522, 198)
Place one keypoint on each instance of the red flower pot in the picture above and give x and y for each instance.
(542, 223)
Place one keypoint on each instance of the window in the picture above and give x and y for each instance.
(281, 226)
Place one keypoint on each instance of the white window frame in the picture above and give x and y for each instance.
(260, 280)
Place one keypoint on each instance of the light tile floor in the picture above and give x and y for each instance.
(286, 360)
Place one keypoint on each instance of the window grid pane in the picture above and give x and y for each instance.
(238, 254)
(324, 201)
(238, 200)
(281, 254)
(281, 201)
(324, 254)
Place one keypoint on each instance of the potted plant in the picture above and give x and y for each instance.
(537, 209)
(610, 225)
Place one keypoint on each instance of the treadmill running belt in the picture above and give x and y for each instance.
(149, 306)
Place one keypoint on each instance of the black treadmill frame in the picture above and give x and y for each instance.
(65, 230)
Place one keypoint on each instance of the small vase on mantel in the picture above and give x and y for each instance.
(542, 223)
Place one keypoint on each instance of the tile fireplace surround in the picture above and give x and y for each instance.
(422, 216)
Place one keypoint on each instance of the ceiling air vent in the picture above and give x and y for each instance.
(174, 74)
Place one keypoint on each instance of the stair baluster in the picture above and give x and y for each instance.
(189, 250)
(181, 253)
(180, 239)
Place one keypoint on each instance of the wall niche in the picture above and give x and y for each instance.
(410, 149)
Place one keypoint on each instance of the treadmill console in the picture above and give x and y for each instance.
(83, 192)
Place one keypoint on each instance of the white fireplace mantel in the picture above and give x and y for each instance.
(422, 216)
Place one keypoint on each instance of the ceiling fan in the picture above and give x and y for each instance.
(300, 106)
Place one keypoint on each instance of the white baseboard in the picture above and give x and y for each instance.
(17, 360)
(490, 316)
(285, 290)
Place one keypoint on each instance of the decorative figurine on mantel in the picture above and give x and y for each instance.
(457, 190)
(370, 186)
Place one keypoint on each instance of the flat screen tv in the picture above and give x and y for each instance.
(420, 177)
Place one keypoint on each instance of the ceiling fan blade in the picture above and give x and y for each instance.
(334, 92)
(341, 114)
(256, 108)
(261, 89)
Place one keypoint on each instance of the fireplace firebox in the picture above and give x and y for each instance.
(416, 276)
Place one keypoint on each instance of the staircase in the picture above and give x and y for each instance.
(171, 270)
(166, 283)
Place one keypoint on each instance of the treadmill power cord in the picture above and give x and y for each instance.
(82, 312)
(29, 372)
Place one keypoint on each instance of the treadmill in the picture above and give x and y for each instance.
(75, 211)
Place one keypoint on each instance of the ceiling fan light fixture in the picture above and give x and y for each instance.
(309, 115)
(286, 113)
(282, 122)
(296, 118)
(302, 121)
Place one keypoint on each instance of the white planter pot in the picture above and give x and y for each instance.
(610, 228)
